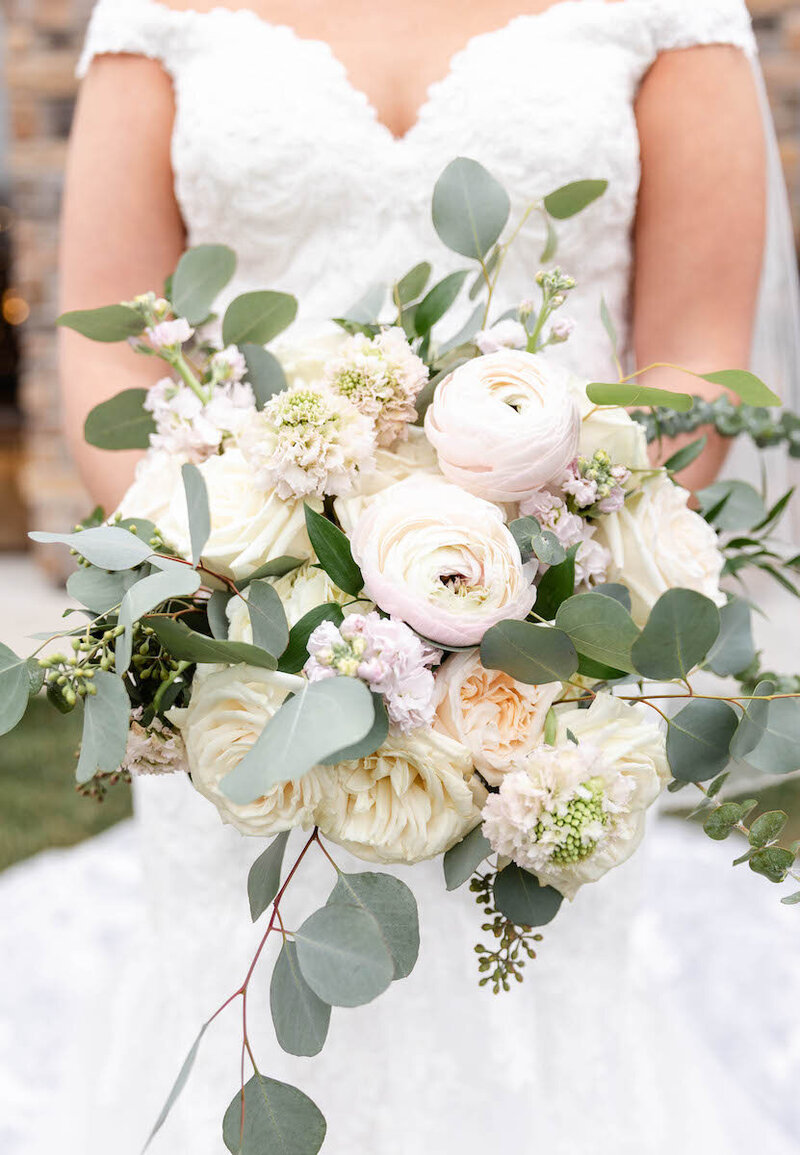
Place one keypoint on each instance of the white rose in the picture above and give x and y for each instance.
(408, 801)
(228, 710)
(657, 543)
(304, 361)
(576, 811)
(498, 719)
(504, 425)
(301, 590)
(248, 526)
(411, 458)
(442, 561)
(611, 429)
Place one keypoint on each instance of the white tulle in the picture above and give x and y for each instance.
(651, 1024)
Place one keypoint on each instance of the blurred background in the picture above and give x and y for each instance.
(38, 484)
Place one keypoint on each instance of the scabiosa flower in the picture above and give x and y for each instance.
(189, 428)
(381, 376)
(385, 654)
(309, 440)
(153, 749)
(169, 334)
(508, 334)
(575, 811)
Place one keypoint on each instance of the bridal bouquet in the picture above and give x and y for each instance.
(418, 596)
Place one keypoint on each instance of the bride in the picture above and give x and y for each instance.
(307, 136)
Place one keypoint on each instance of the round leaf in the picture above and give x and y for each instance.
(732, 505)
(105, 727)
(734, 649)
(463, 859)
(470, 208)
(277, 1118)
(265, 374)
(369, 744)
(14, 688)
(264, 877)
(343, 955)
(106, 546)
(600, 628)
(573, 198)
(394, 908)
(530, 653)
(682, 627)
(522, 899)
(202, 273)
(122, 422)
(255, 318)
(301, 1019)
(267, 617)
(699, 739)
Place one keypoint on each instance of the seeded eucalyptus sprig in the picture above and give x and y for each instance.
(513, 945)
(729, 420)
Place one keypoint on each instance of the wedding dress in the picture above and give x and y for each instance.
(278, 155)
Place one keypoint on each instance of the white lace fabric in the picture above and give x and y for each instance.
(276, 154)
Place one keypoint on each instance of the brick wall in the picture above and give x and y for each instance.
(42, 43)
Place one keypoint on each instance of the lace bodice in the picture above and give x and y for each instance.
(278, 155)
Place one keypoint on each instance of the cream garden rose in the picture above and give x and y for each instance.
(301, 590)
(442, 561)
(657, 543)
(575, 811)
(410, 800)
(498, 719)
(504, 425)
(228, 710)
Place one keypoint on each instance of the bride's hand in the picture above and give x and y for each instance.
(700, 226)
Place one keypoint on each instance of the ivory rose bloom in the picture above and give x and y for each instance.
(248, 526)
(504, 425)
(498, 719)
(657, 543)
(229, 709)
(408, 801)
(442, 561)
(576, 811)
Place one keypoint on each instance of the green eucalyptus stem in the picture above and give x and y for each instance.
(727, 419)
(184, 370)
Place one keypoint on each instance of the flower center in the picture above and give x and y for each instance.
(302, 408)
(574, 831)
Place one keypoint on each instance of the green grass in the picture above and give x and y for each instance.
(39, 805)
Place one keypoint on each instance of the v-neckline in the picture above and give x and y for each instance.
(316, 43)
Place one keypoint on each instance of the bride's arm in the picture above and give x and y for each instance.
(121, 233)
(700, 224)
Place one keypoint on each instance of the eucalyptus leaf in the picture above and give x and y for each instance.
(699, 738)
(767, 828)
(187, 645)
(465, 334)
(122, 422)
(435, 304)
(609, 326)
(631, 394)
(216, 612)
(277, 567)
(14, 688)
(321, 718)
(731, 505)
(600, 628)
(556, 585)
(255, 318)
(198, 509)
(295, 655)
(267, 617)
(394, 908)
(333, 550)
(734, 649)
(99, 590)
(366, 310)
(265, 374)
(768, 738)
(773, 862)
(277, 1118)
(682, 627)
(573, 198)
(548, 549)
(470, 208)
(108, 324)
(534, 654)
(550, 243)
(146, 595)
(301, 1019)
(463, 859)
(686, 455)
(106, 717)
(521, 898)
(343, 955)
(201, 275)
(369, 744)
(177, 1086)
(106, 546)
(615, 590)
(749, 388)
(523, 530)
(264, 878)
(412, 285)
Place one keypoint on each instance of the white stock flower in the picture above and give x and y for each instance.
(442, 561)
(409, 801)
(504, 425)
(498, 719)
(657, 543)
(153, 749)
(508, 334)
(169, 334)
(192, 429)
(228, 710)
(576, 811)
(382, 377)
(248, 526)
(229, 364)
(309, 440)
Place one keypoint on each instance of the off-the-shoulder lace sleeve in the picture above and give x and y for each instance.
(141, 27)
(685, 23)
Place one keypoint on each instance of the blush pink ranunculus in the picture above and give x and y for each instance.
(504, 425)
(441, 560)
